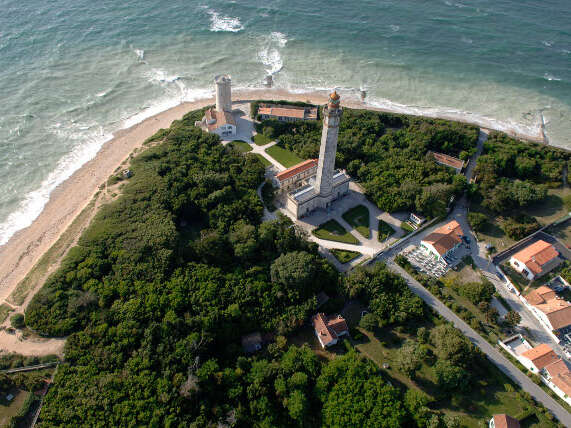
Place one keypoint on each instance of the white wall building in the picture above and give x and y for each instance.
(535, 260)
(443, 241)
(219, 120)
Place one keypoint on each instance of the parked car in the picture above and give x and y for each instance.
(500, 276)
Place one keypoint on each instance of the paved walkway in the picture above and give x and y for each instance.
(492, 353)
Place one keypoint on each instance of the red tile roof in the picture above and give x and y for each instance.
(505, 421)
(536, 255)
(220, 118)
(541, 356)
(540, 295)
(558, 311)
(296, 169)
(296, 112)
(560, 375)
(446, 237)
(448, 160)
(329, 328)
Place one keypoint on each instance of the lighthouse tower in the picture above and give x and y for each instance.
(326, 166)
(223, 93)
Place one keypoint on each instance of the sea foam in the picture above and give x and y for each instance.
(33, 202)
(224, 23)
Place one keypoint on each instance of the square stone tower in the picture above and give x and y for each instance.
(223, 85)
(326, 167)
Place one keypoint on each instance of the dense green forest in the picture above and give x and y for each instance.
(388, 155)
(512, 175)
(168, 277)
(165, 281)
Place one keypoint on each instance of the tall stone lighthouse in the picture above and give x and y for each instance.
(328, 184)
(326, 167)
(223, 84)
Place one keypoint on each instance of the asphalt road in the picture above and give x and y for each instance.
(493, 354)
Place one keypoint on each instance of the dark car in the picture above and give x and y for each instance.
(500, 276)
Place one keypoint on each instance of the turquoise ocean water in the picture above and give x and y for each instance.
(73, 72)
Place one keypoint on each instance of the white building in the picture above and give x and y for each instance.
(328, 184)
(535, 260)
(553, 313)
(443, 241)
(297, 175)
(542, 361)
(329, 329)
(219, 120)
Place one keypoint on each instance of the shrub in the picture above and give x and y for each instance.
(369, 322)
(17, 321)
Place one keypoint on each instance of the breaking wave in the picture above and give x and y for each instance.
(224, 23)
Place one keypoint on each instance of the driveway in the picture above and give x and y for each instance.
(493, 354)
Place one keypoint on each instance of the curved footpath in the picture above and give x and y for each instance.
(493, 354)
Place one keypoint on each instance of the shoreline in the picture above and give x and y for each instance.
(25, 248)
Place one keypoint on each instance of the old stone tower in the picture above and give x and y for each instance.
(326, 166)
(223, 93)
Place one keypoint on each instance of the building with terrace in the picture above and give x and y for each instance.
(443, 241)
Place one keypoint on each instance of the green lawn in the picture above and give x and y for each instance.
(261, 139)
(9, 409)
(385, 230)
(264, 161)
(563, 232)
(546, 211)
(358, 217)
(333, 231)
(283, 156)
(241, 146)
(494, 394)
(551, 208)
(406, 227)
(345, 256)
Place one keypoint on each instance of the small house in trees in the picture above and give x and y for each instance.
(329, 329)
(503, 421)
(449, 161)
(252, 342)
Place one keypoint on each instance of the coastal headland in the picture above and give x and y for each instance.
(21, 253)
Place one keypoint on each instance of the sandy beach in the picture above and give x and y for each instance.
(26, 247)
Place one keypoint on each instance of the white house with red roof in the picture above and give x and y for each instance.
(444, 240)
(219, 119)
(292, 177)
(535, 260)
(329, 329)
(553, 313)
